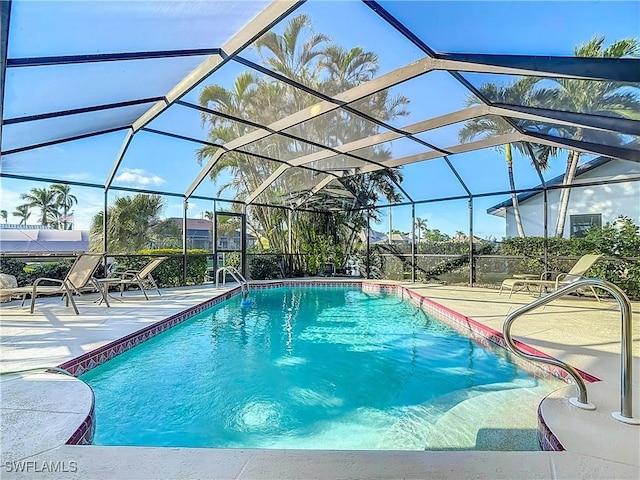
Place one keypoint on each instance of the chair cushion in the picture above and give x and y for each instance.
(7, 281)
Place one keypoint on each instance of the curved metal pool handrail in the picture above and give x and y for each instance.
(235, 273)
(626, 399)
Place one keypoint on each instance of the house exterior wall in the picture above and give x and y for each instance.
(611, 201)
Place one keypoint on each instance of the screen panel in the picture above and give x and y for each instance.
(426, 96)
(488, 27)
(73, 28)
(159, 163)
(191, 123)
(87, 160)
(54, 88)
(25, 134)
(243, 92)
(382, 52)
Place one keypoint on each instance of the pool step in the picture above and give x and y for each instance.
(415, 428)
(498, 421)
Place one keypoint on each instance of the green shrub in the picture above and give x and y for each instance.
(619, 242)
(169, 272)
(57, 270)
(319, 252)
(265, 267)
(15, 267)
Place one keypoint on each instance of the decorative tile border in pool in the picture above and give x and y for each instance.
(82, 364)
(478, 332)
(486, 336)
(547, 440)
(85, 432)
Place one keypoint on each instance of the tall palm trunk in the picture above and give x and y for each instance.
(512, 185)
(565, 193)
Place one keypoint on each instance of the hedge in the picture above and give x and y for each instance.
(169, 272)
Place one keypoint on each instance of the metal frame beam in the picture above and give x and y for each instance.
(573, 119)
(55, 142)
(270, 16)
(461, 148)
(75, 111)
(583, 68)
(323, 183)
(264, 185)
(5, 17)
(537, 190)
(457, 175)
(108, 57)
(599, 149)
(393, 78)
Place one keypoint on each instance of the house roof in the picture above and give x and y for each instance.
(194, 223)
(500, 209)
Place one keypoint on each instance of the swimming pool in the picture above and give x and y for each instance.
(322, 368)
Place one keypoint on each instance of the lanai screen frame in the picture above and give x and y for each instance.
(597, 69)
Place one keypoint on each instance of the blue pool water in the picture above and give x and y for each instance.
(330, 368)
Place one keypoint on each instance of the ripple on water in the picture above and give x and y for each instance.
(263, 416)
(307, 396)
(290, 361)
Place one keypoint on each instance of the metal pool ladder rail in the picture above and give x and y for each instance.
(237, 276)
(626, 398)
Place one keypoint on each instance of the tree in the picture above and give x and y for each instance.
(4, 215)
(134, 223)
(43, 199)
(517, 93)
(420, 226)
(210, 216)
(601, 98)
(23, 213)
(436, 235)
(64, 199)
(314, 60)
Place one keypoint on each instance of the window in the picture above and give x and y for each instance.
(581, 223)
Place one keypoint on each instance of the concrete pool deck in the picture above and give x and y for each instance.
(36, 421)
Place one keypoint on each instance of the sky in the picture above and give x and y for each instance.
(156, 162)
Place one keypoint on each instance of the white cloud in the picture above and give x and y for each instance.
(80, 177)
(138, 177)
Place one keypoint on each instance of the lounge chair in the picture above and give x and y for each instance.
(576, 273)
(78, 278)
(142, 278)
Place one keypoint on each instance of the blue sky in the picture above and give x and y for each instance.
(159, 163)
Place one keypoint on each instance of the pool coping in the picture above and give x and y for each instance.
(481, 334)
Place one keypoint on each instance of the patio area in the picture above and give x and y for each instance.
(577, 330)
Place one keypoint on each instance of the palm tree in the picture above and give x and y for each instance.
(420, 226)
(482, 127)
(133, 223)
(23, 213)
(209, 215)
(287, 55)
(586, 96)
(44, 199)
(4, 215)
(64, 199)
(310, 59)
